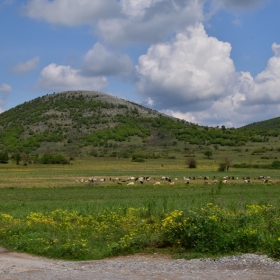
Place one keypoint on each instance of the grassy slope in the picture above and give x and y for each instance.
(92, 123)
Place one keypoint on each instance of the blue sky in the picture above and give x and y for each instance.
(211, 62)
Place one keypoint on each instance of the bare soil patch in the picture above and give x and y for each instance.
(22, 266)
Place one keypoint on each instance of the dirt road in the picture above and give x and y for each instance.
(138, 267)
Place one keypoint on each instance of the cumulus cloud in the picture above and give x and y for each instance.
(25, 67)
(60, 77)
(190, 72)
(122, 21)
(250, 99)
(5, 88)
(190, 117)
(150, 21)
(71, 12)
(276, 49)
(99, 61)
(264, 89)
(189, 75)
(226, 111)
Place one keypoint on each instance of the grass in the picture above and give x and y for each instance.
(43, 211)
(59, 175)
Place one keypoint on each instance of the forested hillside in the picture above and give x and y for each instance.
(91, 123)
(272, 125)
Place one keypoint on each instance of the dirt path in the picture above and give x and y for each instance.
(138, 267)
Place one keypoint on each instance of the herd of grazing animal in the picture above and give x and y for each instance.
(132, 180)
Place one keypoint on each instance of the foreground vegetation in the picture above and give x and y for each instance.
(44, 212)
(51, 146)
(79, 235)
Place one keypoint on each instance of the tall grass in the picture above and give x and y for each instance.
(43, 211)
(92, 222)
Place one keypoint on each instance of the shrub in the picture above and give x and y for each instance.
(4, 158)
(54, 159)
(216, 230)
(222, 166)
(208, 153)
(191, 162)
(138, 158)
(275, 164)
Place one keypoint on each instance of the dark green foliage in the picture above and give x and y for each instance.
(54, 159)
(275, 164)
(138, 157)
(70, 121)
(17, 158)
(191, 162)
(208, 153)
(269, 127)
(222, 166)
(4, 157)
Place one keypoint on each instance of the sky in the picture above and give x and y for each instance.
(210, 62)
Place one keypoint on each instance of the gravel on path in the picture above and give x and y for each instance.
(20, 266)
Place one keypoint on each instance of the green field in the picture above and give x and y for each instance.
(44, 211)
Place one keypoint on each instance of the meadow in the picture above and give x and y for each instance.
(44, 211)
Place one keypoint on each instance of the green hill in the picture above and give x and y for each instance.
(268, 125)
(82, 123)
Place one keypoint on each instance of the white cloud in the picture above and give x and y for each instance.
(71, 12)
(264, 89)
(5, 88)
(60, 77)
(227, 111)
(150, 101)
(150, 21)
(276, 49)
(100, 61)
(251, 99)
(190, 76)
(121, 21)
(190, 72)
(25, 67)
(181, 115)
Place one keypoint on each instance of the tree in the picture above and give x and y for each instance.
(191, 162)
(275, 164)
(17, 158)
(4, 157)
(224, 166)
(228, 161)
(208, 153)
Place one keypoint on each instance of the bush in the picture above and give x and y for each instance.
(4, 158)
(275, 164)
(54, 159)
(138, 158)
(216, 230)
(222, 166)
(208, 153)
(191, 162)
